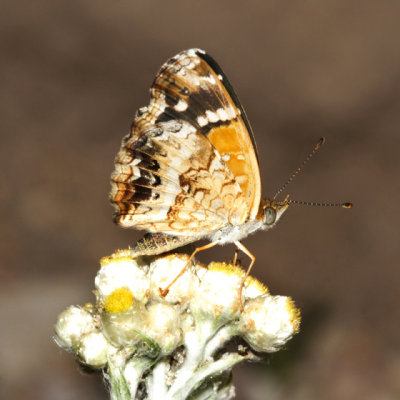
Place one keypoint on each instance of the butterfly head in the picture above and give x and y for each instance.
(271, 211)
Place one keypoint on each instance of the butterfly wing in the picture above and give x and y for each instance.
(188, 159)
(170, 179)
(192, 87)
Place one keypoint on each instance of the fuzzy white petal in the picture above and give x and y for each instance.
(72, 324)
(268, 322)
(122, 273)
(92, 349)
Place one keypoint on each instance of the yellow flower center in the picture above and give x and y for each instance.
(119, 300)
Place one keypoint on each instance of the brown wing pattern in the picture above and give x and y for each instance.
(188, 160)
(195, 89)
(172, 180)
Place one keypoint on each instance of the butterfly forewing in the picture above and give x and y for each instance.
(189, 159)
(196, 89)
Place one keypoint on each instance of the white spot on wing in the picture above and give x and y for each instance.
(181, 105)
(153, 179)
(209, 78)
(231, 112)
(212, 116)
(202, 121)
(222, 114)
(226, 157)
(136, 171)
(192, 52)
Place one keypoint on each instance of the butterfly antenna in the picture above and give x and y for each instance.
(318, 204)
(300, 167)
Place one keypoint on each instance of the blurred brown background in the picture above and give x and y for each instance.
(74, 72)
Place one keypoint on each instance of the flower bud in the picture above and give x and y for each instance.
(72, 324)
(92, 349)
(124, 328)
(163, 325)
(268, 322)
(218, 293)
(164, 269)
(121, 270)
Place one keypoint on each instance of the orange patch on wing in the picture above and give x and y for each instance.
(230, 140)
(227, 139)
(237, 166)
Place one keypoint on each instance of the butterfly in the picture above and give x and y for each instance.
(188, 169)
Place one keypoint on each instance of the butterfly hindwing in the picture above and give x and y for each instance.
(172, 180)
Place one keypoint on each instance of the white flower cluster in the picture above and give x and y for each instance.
(170, 347)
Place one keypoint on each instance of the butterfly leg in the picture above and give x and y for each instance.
(235, 257)
(240, 246)
(165, 291)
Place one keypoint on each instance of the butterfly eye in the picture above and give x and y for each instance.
(269, 215)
